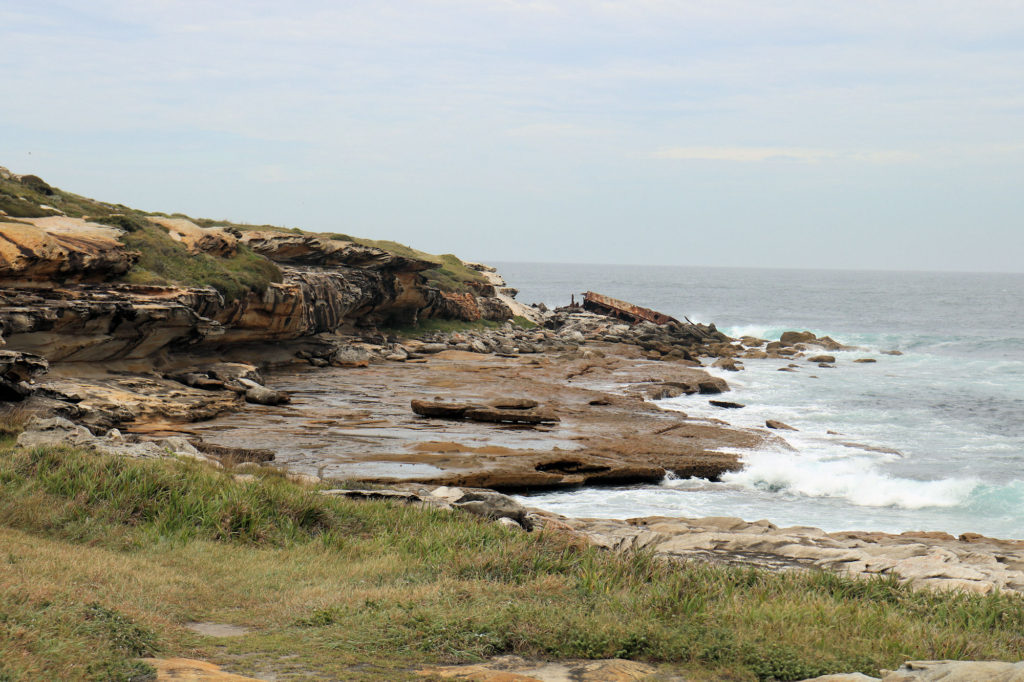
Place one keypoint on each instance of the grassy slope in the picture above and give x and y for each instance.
(164, 260)
(451, 274)
(105, 559)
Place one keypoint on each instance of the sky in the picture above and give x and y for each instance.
(778, 133)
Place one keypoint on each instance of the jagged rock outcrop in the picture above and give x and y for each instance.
(39, 251)
(17, 372)
(327, 285)
(212, 240)
(89, 323)
(307, 249)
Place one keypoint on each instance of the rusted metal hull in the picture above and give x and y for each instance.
(634, 314)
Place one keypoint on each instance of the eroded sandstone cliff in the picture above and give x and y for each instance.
(74, 289)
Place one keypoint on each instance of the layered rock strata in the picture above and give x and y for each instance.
(54, 305)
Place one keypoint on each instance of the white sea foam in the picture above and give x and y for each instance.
(857, 480)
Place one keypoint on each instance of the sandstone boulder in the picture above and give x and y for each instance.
(712, 385)
(957, 671)
(498, 416)
(774, 424)
(60, 432)
(515, 404)
(728, 364)
(350, 356)
(306, 249)
(515, 669)
(59, 249)
(828, 343)
(437, 408)
(261, 395)
(485, 503)
(17, 371)
(822, 358)
(214, 241)
(791, 338)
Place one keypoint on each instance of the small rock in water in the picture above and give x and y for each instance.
(892, 352)
(822, 358)
(712, 385)
(774, 424)
(726, 404)
(865, 360)
(727, 364)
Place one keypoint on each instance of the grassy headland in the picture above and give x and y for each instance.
(166, 261)
(450, 273)
(105, 559)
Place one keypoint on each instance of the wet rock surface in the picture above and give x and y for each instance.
(931, 560)
(356, 423)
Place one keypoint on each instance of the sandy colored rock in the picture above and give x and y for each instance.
(957, 671)
(925, 560)
(59, 248)
(822, 358)
(515, 669)
(190, 670)
(212, 240)
(622, 440)
(791, 338)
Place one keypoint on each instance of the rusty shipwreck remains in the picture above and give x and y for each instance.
(634, 314)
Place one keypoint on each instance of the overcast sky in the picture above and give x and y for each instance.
(864, 134)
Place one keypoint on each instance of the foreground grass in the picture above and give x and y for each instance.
(103, 560)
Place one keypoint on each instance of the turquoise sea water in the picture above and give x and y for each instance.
(952, 405)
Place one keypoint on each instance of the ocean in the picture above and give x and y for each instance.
(943, 422)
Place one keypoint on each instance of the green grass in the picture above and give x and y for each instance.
(165, 261)
(105, 559)
(24, 200)
(449, 273)
(523, 322)
(21, 200)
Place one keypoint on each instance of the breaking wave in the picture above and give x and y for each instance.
(856, 480)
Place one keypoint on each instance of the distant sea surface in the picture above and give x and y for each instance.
(952, 405)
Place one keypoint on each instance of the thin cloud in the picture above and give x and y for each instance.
(798, 154)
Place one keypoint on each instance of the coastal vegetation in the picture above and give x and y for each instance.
(449, 273)
(106, 558)
(165, 261)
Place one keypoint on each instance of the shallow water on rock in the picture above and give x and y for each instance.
(952, 405)
(357, 422)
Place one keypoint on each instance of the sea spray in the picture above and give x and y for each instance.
(952, 405)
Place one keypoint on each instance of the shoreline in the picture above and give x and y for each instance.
(612, 431)
(607, 429)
